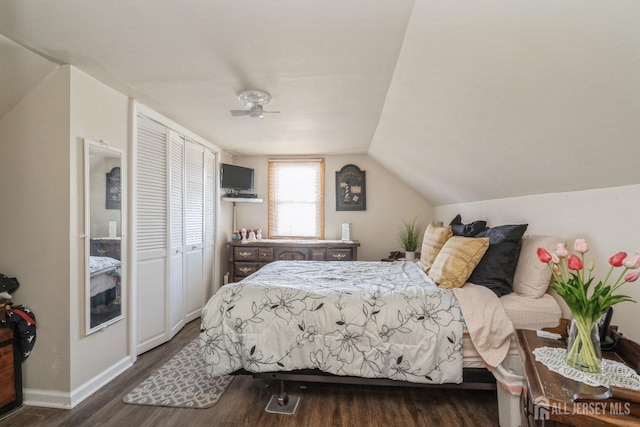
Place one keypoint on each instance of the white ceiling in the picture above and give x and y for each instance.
(464, 102)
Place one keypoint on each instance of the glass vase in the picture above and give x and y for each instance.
(583, 345)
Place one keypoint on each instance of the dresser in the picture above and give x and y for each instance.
(247, 258)
(10, 371)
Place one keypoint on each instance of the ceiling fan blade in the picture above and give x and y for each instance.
(273, 112)
(238, 113)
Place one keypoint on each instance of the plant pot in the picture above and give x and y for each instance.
(410, 255)
(583, 345)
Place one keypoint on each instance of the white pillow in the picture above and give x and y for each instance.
(532, 276)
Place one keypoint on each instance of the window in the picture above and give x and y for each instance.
(296, 198)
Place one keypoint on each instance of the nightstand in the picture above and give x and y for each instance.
(398, 256)
(546, 397)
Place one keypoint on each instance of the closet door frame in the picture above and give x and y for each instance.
(175, 303)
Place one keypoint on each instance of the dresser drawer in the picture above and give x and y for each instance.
(245, 254)
(265, 254)
(291, 254)
(318, 254)
(243, 269)
(110, 248)
(334, 254)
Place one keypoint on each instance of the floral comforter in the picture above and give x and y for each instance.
(366, 319)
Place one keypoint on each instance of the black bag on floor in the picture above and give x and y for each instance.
(25, 322)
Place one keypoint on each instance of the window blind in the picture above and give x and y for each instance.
(296, 198)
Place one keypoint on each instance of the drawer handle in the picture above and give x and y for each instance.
(339, 256)
(245, 270)
(244, 254)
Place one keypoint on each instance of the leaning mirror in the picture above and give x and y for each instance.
(103, 235)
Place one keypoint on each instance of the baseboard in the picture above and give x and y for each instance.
(65, 400)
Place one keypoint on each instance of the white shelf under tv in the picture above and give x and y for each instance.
(242, 199)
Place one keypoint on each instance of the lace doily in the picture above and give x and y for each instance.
(613, 373)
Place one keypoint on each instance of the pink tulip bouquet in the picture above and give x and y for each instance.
(572, 279)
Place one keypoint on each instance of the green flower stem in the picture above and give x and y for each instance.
(582, 347)
(620, 280)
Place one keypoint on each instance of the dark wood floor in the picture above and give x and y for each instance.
(244, 401)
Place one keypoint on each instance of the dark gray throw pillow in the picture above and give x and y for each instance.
(467, 230)
(498, 265)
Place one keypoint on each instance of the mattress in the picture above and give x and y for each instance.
(531, 313)
(102, 282)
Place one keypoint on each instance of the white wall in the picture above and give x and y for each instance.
(34, 222)
(388, 200)
(606, 218)
(99, 113)
(41, 166)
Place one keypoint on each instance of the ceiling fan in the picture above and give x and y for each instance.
(254, 100)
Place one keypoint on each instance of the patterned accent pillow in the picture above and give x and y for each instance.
(457, 259)
(434, 239)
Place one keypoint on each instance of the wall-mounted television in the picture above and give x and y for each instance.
(236, 177)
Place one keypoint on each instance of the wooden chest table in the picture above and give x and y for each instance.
(10, 371)
(546, 398)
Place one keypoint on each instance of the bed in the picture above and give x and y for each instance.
(104, 273)
(372, 321)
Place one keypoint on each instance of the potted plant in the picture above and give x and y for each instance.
(410, 235)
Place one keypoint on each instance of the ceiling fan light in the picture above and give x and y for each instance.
(254, 97)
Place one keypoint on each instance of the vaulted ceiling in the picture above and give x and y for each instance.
(463, 101)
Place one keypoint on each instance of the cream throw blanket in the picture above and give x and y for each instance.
(490, 329)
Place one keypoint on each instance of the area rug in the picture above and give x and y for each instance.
(181, 382)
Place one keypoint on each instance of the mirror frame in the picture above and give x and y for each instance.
(89, 146)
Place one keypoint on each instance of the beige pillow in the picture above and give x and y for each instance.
(532, 277)
(434, 238)
(457, 259)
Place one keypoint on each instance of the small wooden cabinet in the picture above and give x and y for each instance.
(247, 258)
(546, 400)
(10, 371)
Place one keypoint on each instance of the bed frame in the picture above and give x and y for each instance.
(472, 379)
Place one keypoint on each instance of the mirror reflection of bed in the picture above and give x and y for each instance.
(103, 193)
(105, 298)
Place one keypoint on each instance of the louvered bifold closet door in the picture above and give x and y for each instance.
(194, 229)
(151, 232)
(176, 234)
(209, 219)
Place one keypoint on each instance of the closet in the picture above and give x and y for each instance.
(174, 210)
